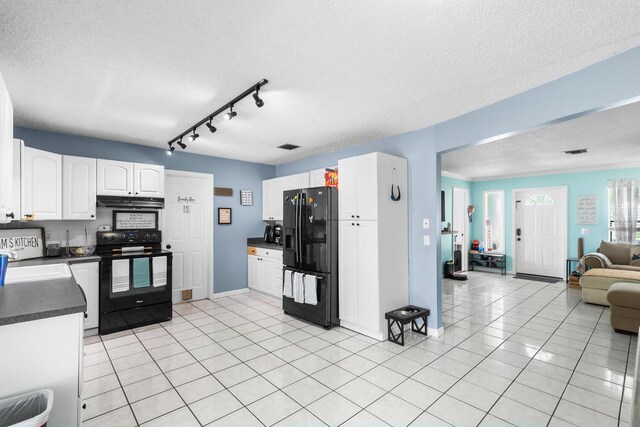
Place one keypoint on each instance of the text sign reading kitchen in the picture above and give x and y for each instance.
(26, 243)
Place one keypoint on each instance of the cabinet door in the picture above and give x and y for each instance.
(41, 181)
(316, 178)
(268, 269)
(367, 184)
(78, 188)
(114, 178)
(148, 180)
(267, 186)
(87, 276)
(254, 272)
(277, 200)
(369, 315)
(348, 271)
(347, 181)
(6, 156)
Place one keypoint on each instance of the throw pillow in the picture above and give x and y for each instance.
(635, 255)
(618, 253)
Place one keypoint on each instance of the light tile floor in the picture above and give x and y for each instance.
(514, 353)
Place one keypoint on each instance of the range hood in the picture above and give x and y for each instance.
(130, 202)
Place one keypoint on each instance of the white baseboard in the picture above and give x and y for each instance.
(229, 293)
(433, 332)
(375, 335)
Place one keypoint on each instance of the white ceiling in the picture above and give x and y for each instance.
(341, 73)
(611, 137)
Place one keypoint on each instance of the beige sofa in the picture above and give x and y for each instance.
(595, 283)
(617, 256)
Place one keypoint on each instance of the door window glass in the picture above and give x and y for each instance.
(539, 199)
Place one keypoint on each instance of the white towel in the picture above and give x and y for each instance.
(310, 289)
(287, 290)
(159, 271)
(298, 290)
(120, 275)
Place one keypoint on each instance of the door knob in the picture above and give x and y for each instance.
(168, 246)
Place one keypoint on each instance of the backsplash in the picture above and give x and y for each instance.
(55, 231)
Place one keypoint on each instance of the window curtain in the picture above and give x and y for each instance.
(624, 205)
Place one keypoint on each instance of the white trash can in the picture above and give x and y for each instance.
(26, 410)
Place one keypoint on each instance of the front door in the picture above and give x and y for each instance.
(188, 231)
(541, 231)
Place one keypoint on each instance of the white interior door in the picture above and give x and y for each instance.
(541, 231)
(188, 231)
(461, 223)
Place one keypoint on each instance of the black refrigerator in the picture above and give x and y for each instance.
(310, 246)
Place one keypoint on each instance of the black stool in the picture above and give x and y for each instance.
(401, 317)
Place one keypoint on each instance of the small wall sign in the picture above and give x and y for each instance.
(246, 198)
(587, 210)
(224, 215)
(26, 243)
(135, 220)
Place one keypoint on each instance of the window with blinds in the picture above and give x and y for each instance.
(612, 222)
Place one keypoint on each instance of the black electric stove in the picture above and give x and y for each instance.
(135, 279)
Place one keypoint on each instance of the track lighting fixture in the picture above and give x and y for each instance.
(256, 97)
(228, 115)
(193, 136)
(211, 127)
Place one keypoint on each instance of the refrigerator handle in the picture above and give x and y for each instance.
(297, 231)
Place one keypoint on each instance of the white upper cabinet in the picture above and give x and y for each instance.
(294, 182)
(148, 180)
(358, 194)
(114, 178)
(78, 188)
(7, 210)
(272, 199)
(316, 178)
(41, 182)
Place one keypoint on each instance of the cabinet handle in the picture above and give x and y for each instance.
(129, 192)
(353, 223)
(136, 193)
(357, 216)
(84, 406)
(168, 246)
(11, 215)
(93, 216)
(353, 216)
(358, 224)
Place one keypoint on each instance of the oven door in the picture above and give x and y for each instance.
(134, 280)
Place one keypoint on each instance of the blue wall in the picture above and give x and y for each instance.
(230, 241)
(578, 184)
(606, 83)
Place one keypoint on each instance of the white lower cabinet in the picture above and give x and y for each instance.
(88, 276)
(265, 271)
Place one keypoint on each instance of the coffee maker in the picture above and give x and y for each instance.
(270, 234)
(277, 234)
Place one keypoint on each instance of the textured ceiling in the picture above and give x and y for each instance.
(341, 73)
(612, 138)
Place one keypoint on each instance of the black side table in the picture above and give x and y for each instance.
(403, 316)
(569, 266)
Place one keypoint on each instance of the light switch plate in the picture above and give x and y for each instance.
(425, 223)
(427, 240)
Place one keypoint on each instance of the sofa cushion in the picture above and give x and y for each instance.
(603, 278)
(618, 253)
(626, 267)
(624, 294)
(635, 255)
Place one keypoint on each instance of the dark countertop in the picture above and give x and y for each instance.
(23, 302)
(259, 242)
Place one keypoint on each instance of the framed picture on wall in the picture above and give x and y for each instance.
(224, 215)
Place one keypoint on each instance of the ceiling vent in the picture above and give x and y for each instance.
(289, 147)
(580, 151)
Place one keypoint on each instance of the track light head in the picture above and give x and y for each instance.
(211, 127)
(171, 149)
(230, 114)
(256, 97)
(181, 144)
(193, 136)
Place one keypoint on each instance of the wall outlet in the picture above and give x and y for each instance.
(585, 231)
(427, 240)
(425, 223)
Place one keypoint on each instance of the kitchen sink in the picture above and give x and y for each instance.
(34, 273)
